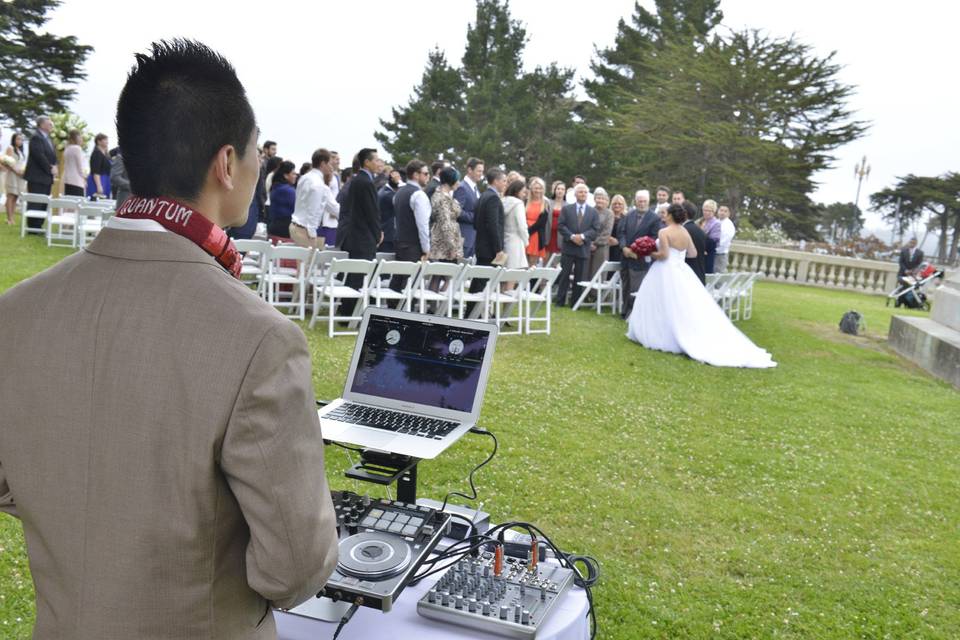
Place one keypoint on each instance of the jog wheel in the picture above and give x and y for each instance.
(372, 555)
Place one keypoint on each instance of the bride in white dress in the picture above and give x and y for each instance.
(673, 311)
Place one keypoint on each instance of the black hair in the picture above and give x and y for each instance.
(514, 188)
(690, 209)
(494, 173)
(100, 136)
(13, 143)
(413, 168)
(473, 162)
(579, 177)
(272, 164)
(436, 165)
(283, 168)
(677, 213)
(305, 168)
(319, 156)
(449, 176)
(663, 188)
(268, 143)
(363, 155)
(181, 104)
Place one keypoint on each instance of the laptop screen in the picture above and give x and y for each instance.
(423, 362)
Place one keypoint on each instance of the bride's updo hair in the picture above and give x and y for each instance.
(677, 213)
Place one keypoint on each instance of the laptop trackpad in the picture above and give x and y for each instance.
(374, 438)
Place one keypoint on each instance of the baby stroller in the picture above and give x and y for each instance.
(909, 291)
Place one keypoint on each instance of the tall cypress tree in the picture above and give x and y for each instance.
(35, 67)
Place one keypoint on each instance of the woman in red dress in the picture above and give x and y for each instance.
(558, 190)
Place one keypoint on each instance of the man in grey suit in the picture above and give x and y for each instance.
(579, 226)
(159, 437)
(641, 221)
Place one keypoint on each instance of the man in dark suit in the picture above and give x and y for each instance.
(488, 218)
(435, 168)
(468, 194)
(388, 222)
(640, 221)
(699, 240)
(910, 258)
(41, 166)
(579, 226)
(363, 233)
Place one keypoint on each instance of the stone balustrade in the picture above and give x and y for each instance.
(802, 267)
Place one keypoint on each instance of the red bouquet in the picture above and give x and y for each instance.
(643, 246)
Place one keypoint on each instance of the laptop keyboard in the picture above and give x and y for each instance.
(395, 421)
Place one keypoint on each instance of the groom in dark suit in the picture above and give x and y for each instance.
(699, 241)
(579, 226)
(41, 166)
(363, 231)
(641, 221)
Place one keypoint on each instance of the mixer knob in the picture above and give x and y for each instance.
(473, 605)
(516, 613)
(525, 617)
(486, 608)
(504, 610)
(459, 602)
(445, 599)
(486, 571)
(543, 595)
(366, 501)
(432, 595)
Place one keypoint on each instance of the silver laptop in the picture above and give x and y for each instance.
(415, 384)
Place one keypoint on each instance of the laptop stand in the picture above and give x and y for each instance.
(380, 467)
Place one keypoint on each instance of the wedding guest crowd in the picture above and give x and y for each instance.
(427, 210)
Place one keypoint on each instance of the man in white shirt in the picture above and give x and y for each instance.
(727, 232)
(316, 207)
(413, 219)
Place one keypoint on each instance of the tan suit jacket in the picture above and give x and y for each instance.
(159, 441)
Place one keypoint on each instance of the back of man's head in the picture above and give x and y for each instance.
(319, 157)
(494, 173)
(181, 104)
(437, 166)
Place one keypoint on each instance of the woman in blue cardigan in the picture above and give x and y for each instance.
(283, 198)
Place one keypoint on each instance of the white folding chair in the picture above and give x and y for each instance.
(62, 221)
(718, 284)
(481, 298)
(35, 214)
(540, 292)
(552, 261)
(731, 295)
(745, 297)
(606, 283)
(442, 298)
(386, 255)
(333, 290)
(512, 299)
(380, 290)
(277, 276)
(254, 265)
(89, 223)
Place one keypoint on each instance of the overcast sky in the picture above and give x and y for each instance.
(292, 58)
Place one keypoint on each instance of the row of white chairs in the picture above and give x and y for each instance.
(733, 292)
(294, 279)
(67, 221)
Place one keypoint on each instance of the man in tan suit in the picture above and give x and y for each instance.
(159, 437)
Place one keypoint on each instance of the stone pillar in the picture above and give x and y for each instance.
(934, 342)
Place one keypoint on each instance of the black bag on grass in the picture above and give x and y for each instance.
(852, 323)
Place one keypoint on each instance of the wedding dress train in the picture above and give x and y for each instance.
(674, 312)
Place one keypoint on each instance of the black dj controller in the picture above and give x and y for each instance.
(382, 543)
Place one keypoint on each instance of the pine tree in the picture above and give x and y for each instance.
(489, 107)
(428, 126)
(35, 67)
(914, 197)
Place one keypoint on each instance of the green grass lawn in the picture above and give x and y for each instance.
(819, 499)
